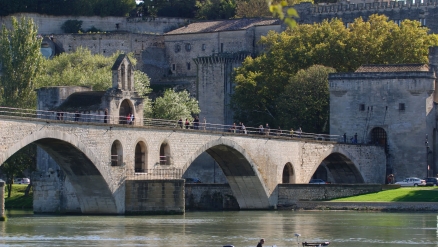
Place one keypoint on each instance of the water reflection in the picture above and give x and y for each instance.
(242, 228)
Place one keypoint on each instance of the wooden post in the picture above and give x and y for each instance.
(2, 201)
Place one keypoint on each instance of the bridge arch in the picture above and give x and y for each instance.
(288, 175)
(140, 155)
(80, 164)
(241, 172)
(116, 153)
(341, 165)
(165, 153)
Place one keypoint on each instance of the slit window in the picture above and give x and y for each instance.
(401, 106)
(362, 107)
(188, 66)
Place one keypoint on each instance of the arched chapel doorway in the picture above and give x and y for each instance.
(140, 157)
(125, 109)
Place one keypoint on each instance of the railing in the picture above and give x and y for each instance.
(163, 123)
(151, 174)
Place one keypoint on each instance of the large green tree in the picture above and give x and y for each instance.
(261, 80)
(174, 105)
(305, 100)
(21, 61)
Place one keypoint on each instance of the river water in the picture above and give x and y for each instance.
(241, 229)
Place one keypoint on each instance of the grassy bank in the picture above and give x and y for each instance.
(18, 200)
(406, 194)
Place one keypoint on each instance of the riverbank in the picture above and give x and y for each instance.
(363, 206)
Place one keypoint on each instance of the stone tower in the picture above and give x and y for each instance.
(214, 85)
(392, 106)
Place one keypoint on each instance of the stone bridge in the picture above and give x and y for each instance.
(99, 158)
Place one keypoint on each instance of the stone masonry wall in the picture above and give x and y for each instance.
(2, 200)
(288, 194)
(52, 24)
(426, 12)
(210, 197)
(154, 197)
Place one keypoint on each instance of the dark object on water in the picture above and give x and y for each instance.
(316, 244)
(228, 245)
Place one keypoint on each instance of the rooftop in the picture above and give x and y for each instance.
(224, 25)
(370, 68)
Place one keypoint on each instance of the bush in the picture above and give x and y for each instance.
(72, 26)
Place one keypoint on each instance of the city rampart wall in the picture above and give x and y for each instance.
(52, 24)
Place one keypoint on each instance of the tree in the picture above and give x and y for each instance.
(260, 8)
(24, 159)
(215, 9)
(174, 105)
(21, 60)
(261, 80)
(81, 68)
(305, 100)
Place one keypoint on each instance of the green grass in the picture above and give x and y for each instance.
(411, 194)
(18, 200)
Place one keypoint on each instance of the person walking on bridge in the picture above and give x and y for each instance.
(260, 244)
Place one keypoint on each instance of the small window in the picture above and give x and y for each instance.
(173, 66)
(188, 47)
(401, 106)
(222, 47)
(177, 48)
(397, 22)
(188, 66)
(423, 22)
(203, 47)
(362, 107)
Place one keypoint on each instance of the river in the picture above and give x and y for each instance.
(239, 228)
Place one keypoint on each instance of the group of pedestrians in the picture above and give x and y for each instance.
(353, 139)
(191, 125)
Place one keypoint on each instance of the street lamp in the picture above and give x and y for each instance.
(427, 155)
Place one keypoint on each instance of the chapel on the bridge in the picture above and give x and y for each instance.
(79, 103)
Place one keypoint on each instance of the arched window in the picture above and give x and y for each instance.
(116, 153)
(164, 154)
(140, 157)
(288, 174)
(122, 75)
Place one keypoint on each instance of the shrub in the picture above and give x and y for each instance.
(72, 26)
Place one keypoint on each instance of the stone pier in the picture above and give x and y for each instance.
(2, 200)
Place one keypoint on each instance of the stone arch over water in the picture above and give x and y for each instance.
(337, 167)
(80, 165)
(241, 172)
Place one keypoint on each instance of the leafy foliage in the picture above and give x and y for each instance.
(262, 82)
(21, 61)
(72, 26)
(174, 105)
(215, 9)
(305, 100)
(24, 159)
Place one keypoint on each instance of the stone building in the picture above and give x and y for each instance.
(390, 105)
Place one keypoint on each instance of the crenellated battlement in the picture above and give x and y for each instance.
(348, 7)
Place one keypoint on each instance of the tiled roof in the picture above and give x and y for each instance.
(224, 25)
(393, 68)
